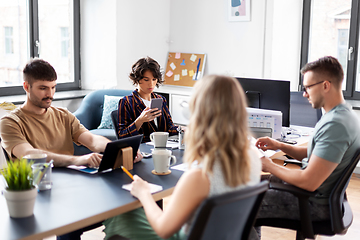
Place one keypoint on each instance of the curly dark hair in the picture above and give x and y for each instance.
(38, 69)
(141, 66)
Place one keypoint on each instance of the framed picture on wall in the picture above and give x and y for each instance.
(239, 10)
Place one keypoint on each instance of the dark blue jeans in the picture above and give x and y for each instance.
(76, 235)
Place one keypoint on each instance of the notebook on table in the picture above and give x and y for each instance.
(110, 154)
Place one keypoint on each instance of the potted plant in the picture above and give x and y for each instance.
(20, 192)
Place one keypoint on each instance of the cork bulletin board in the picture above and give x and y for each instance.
(183, 69)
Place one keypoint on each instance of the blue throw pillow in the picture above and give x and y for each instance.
(110, 104)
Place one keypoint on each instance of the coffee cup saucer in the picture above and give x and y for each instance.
(160, 174)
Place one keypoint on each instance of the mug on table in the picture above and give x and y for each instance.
(163, 159)
(159, 139)
(36, 157)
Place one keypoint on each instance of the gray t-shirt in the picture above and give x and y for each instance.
(336, 139)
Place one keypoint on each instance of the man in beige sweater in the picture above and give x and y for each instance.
(37, 126)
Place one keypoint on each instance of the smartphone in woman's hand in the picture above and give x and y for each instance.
(156, 103)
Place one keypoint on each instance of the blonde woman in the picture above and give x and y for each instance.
(217, 138)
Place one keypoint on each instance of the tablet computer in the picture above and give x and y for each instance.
(110, 154)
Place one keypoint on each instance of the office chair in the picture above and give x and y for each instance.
(115, 121)
(228, 216)
(6, 155)
(7, 158)
(341, 215)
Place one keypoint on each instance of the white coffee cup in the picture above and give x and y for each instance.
(159, 139)
(36, 157)
(163, 159)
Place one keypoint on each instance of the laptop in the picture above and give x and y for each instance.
(110, 154)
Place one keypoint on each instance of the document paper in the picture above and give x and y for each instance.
(153, 187)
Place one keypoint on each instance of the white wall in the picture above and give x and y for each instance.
(98, 44)
(114, 34)
(283, 40)
(142, 30)
(232, 48)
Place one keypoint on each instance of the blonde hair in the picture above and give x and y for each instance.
(218, 129)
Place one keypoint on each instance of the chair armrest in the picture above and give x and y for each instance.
(304, 209)
(298, 192)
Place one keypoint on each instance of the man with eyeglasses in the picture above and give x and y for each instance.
(334, 142)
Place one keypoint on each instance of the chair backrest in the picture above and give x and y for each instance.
(341, 217)
(301, 111)
(228, 216)
(91, 108)
(115, 121)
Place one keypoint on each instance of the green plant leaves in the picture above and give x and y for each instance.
(18, 175)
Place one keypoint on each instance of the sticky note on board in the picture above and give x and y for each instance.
(169, 73)
(172, 65)
(193, 57)
(191, 73)
(184, 72)
(177, 55)
(177, 77)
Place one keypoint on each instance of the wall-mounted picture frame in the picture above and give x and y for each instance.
(239, 10)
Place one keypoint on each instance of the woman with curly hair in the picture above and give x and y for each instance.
(135, 116)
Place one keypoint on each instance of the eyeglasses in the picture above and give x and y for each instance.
(305, 88)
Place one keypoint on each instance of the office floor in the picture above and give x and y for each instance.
(353, 193)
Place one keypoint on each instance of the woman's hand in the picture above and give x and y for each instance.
(139, 188)
(138, 157)
(265, 163)
(147, 115)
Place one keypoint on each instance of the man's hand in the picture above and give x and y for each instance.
(266, 143)
(91, 160)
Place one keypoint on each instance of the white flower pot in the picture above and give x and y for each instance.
(20, 203)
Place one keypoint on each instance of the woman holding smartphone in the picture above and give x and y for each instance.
(135, 115)
(217, 138)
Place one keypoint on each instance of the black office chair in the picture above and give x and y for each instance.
(115, 121)
(228, 216)
(5, 153)
(340, 212)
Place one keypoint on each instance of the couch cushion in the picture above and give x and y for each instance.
(110, 104)
(108, 133)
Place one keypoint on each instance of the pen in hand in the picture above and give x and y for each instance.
(127, 172)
